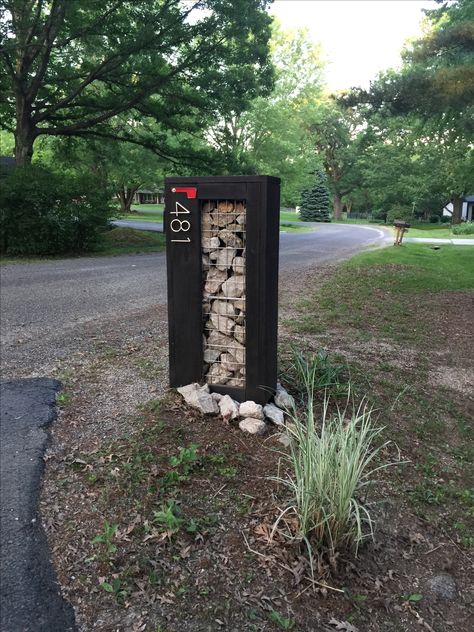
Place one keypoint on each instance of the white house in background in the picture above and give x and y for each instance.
(467, 210)
(148, 196)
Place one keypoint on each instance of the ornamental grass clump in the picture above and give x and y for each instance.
(329, 466)
(317, 372)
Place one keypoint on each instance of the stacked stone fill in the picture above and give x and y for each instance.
(223, 265)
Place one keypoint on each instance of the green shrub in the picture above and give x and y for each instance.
(400, 212)
(466, 228)
(43, 212)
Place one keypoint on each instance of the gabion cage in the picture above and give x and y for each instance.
(222, 255)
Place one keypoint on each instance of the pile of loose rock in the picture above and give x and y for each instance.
(223, 266)
(251, 417)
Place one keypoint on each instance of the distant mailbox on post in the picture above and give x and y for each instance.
(222, 238)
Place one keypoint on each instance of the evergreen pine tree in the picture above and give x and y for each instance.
(315, 202)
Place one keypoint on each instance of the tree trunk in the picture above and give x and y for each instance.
(25, 132)
(457, 209)
(125, 197)
(337, 206)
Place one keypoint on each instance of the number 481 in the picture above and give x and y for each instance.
(178, 225)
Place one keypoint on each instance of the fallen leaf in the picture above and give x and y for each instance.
(263, 530)
(343, 625)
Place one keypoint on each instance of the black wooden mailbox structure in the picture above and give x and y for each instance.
(222, 237)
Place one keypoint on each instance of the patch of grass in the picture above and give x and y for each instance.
(320, 371)
(148, 208)
(4, 261)
(449, 268)
(144, 217)
(427, 493)
(289, 216)
(440, 231)
(129, 240)
(118, 241)
(358, 221)
(428, 426)
(292, 228)
(63, 398)
(374, 291)
(465, 535)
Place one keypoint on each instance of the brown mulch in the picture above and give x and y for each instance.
(112, 460)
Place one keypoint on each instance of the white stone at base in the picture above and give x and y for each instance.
(253, 426)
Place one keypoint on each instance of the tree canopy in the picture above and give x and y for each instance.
(271, 135)
(424, 112)
(204, 89)
(71, 68)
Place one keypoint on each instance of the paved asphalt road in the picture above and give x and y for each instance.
(154, 226)
(44, 305)
(29, 597)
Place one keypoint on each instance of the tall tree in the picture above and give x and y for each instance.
(271, 137)
(436, 82)
(334, 133)
(315, 201)
(70, 68)
(122, 167)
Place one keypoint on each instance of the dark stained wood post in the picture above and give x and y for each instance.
(223, 317)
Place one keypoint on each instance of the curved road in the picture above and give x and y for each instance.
(44, 305)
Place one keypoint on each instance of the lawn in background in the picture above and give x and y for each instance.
(146, 213)
(154, 213)
(358, 221)
(295, 228)
(376, 292)
(440, 231)
(148, 208)
(119, 241)
(289, 216)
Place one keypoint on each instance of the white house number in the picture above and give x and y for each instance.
(180, 226)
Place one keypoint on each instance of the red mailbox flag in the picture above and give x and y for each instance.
(191, 192)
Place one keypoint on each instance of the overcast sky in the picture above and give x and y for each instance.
(359, 37)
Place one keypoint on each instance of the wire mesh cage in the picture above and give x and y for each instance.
(223, 237)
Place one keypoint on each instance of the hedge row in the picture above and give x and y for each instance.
(43, 212)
